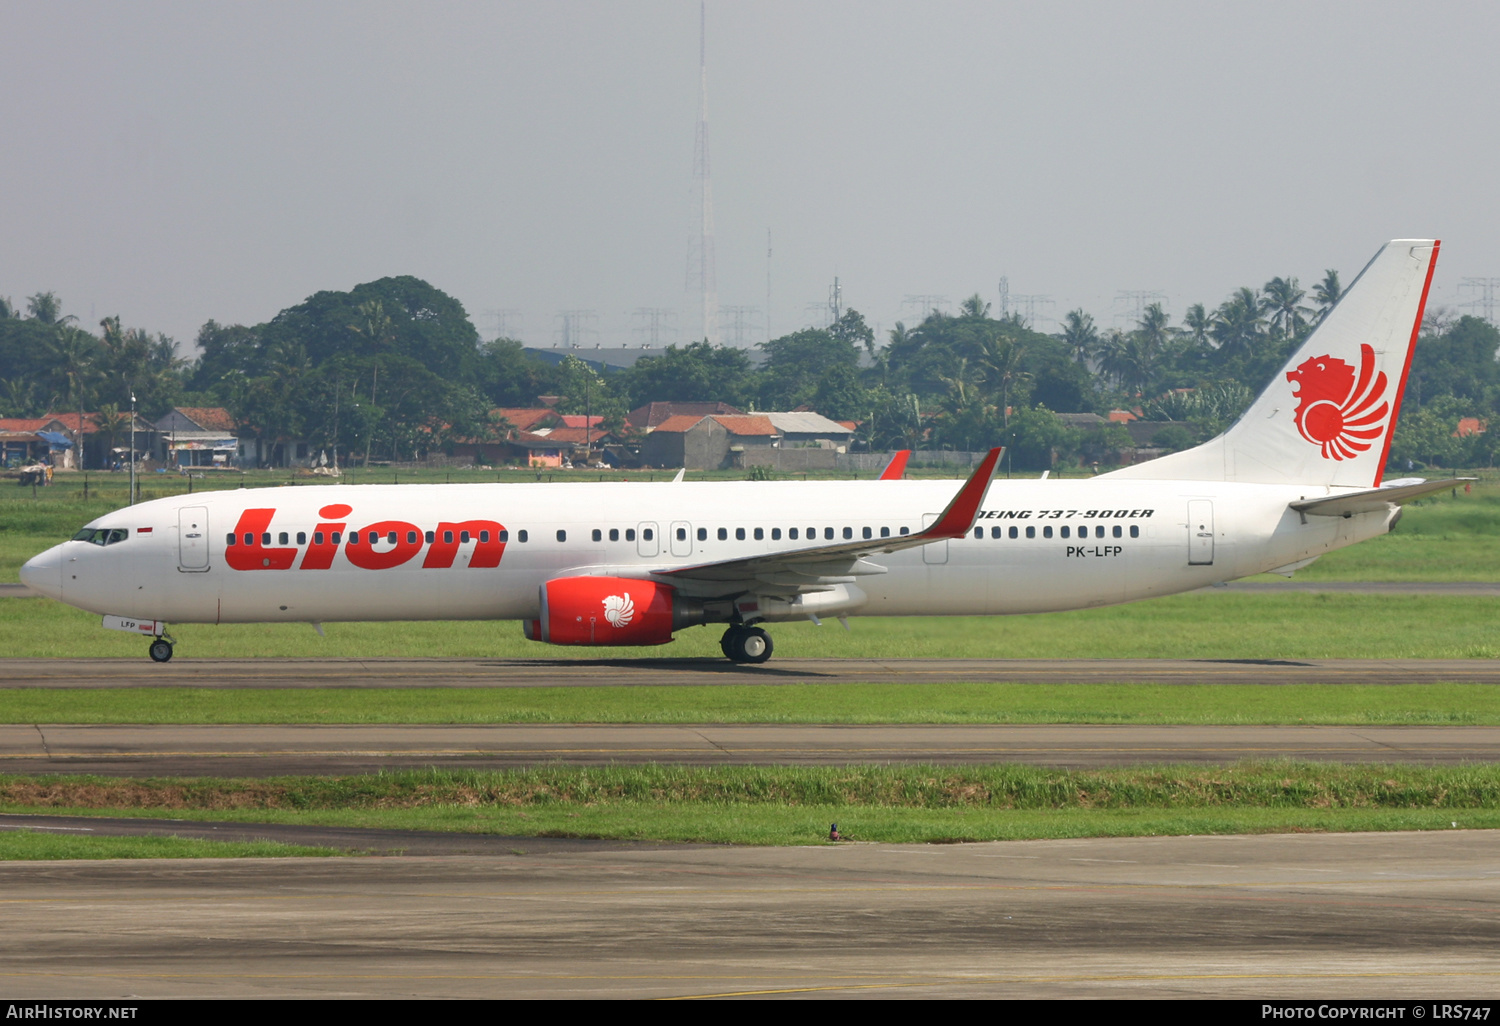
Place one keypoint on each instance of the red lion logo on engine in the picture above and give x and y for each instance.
(1334, 410)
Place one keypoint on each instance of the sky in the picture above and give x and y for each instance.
(175, 162)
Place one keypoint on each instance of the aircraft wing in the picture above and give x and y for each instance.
(844, 561)
(1373, 500)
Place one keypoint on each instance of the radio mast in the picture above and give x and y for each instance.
(700, 268)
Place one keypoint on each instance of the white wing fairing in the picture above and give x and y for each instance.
(587, 564)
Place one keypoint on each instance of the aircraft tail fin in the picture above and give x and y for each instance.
(1328, 415)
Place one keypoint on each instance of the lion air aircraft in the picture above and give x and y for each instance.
(606, 564)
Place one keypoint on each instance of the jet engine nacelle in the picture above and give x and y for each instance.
(611, 611)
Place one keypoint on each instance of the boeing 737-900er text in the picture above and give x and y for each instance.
(1298, 475)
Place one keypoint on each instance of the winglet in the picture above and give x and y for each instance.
(964, 509)
(897, 467)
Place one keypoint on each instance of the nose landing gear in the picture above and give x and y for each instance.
(160, 649)
(746, 645)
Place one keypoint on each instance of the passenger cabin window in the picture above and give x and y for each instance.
(1064, 530)
(979, 532)
(682, 534)
(739, 534)
(463, 536)
(828, 533)
(614, 534)
(301, 537)
(1031, 532)
(265, 539)
(848, 533)
(906, 530)
(598, 535)
(996, 532)
(1098, 530)
(337, 537)
(1135, 530)
(776, 533)
(792, 534)
(447, 537)
(504, 535)
(1015, 532)
(1117, 532)
(647, 534)
(723, 534)
(411, 537)
(562, 536)
(521, 537)
(431, 537)
(885, 532)
(283, 538)
(629, 534)
(703, 534)
(1047, 531)
(867, 532)
(760, 535)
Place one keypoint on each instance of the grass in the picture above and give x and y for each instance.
(1223, 704)
(37, 845)
(1209, 624)
(769, 805)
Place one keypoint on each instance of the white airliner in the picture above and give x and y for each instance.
(631, 563)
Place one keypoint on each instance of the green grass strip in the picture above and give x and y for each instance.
(795, 805)
(36, 845)
(1227, 704)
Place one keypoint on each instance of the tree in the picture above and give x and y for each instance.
(47, 308)
(697, 372)
(1283, 300)
(795, 364)
(1080, 336)
(1327, 293)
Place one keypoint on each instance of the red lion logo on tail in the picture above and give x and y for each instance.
(1334, 410)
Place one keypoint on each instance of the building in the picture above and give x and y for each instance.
(199, 436)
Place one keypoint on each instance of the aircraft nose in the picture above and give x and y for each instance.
(43, 573)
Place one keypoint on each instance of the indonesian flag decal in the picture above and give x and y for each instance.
(1342, 414)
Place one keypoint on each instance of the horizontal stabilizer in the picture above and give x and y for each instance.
(1373, 500)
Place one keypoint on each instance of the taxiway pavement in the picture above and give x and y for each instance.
(516, 673)
(271, 750)
(1366, 916)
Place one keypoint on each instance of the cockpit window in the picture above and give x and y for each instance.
(102, 536)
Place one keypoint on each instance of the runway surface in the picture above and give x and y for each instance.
(270, 750)
(503, 673)
(1286, 916)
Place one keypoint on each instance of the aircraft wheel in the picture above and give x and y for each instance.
(746, 645)
(756, 646)
(161, 650)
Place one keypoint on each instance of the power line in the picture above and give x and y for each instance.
(1485, 295)
(572, 327)
(652, 322)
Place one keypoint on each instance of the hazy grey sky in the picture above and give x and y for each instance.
(172, 162)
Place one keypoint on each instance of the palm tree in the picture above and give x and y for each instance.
(47, 308)
(974, 308)
(1080, 335)
(1198, 322)
(1238, 325)
(1284, 302)
(1327, 293)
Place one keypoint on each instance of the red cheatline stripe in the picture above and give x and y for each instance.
(1411, 348)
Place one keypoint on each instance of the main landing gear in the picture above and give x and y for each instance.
(742, 644)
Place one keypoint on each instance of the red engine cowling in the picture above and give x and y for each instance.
(606, 611)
